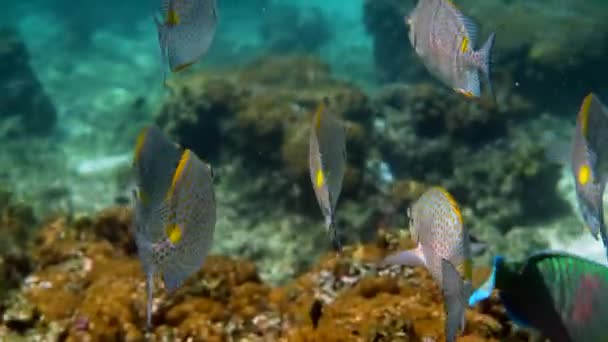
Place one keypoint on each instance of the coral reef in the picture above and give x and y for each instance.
(92, 290)
(17, 223)
(254, 123)
(480, 151)
(25, 108)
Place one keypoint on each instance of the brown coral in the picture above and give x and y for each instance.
(96, 293)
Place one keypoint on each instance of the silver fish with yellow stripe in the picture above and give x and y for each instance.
(590, 163)
(444, 39)
(174, 216)
(186, 31)
(443, 248)
(327, 163)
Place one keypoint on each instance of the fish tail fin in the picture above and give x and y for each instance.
(456, 291)
(150, 290)
(334, 233)
(485, 61)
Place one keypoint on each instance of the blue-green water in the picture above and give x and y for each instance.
(99, 64)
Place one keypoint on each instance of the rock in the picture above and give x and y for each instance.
(26, 109)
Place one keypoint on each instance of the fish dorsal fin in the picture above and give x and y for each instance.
(139, 144)
(470, 29)
(179, 172)
(469, 26)
(453, 204)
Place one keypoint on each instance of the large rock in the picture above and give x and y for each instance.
(25, 109)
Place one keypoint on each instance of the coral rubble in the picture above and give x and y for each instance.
(94, 292)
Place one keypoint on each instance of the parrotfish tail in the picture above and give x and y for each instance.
(149, 289)
(485, 61)
(455, 294)
(485, 290)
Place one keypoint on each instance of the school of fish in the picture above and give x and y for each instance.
(561, 295)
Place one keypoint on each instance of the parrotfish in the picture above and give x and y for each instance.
(186, 31)
(443, 247)
(561, 295)
(327, 162)
(175, 211)
(588, 158)
(444, 39)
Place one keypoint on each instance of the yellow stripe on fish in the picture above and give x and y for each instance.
(182, 66)
(318, 112)
(585, 114)
(464, 45)
(174, 233)
(178, 172)
(172, 17)
(453, 203)
(320, 180)
(584, 174)
(141, 138)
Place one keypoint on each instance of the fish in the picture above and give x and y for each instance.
(559, 294)
(186, 31)
(174, 214)
(444, 40)
(443, 248)
(327, 163)
(588, 159)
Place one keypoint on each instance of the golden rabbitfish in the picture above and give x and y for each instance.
(590, 163)
(327, 162)
(186, 31)
(443, 248)
(444, 40)
(174, 216)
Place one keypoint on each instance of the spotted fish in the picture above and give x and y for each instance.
(443, 247)
(174, 216)
(587, 157)
(186, 31)
(444, 39)
(327, 162)
(590, 163)
(561, 295)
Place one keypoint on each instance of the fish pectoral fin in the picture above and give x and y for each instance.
(455, 293)
(410, 257)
